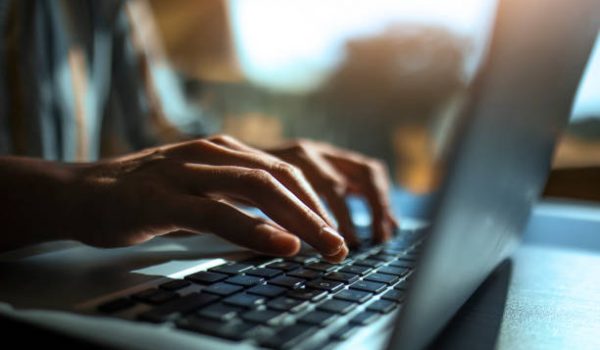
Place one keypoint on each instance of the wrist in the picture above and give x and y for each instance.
(36, 201)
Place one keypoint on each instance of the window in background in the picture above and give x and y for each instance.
(384, 77)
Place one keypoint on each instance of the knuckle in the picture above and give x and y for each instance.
(199, 145)
(224, 138)
(300, 147)
(287, 170)
(374, 167)
(375, 164)
(337, 186)
(260, 176)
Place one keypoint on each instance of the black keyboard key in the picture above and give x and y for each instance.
(391, 270)
(353, 295)
(288, 337)
(372, 287)
(223, 289)
(330, 286)
(382, 257)
(284, 266)
(175, 285)
(382, 278)
(344, 332)
(341, 277)
(233, 330)
(287, 281)
(116, 305)
(205, 277)
(364, 318)
(368, 263)
(287, 304)
(248, 301)
(267, 290)
(402, 263)
(337, 306)
(258, 260)
(305, 274)
(317, 318)
(183, 305)
(263, 272)
(231, 269)
(321, 266)
(356, 269)
(246, 281)
(155, 296)
(220, 312)
(307, 294)
(410, 257)
(382, 306)
(394, 295)
(262, 316)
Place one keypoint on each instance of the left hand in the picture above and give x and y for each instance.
(334, 174)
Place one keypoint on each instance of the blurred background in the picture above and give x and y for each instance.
(384, 77)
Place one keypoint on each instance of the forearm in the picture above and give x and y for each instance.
(34, 201)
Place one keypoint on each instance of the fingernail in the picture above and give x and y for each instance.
(332, 239)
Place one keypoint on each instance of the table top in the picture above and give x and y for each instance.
(547, 295)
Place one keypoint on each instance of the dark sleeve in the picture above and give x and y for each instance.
(128, 111)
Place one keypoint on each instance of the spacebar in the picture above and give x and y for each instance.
(182, 305)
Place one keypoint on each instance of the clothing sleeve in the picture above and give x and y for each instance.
(143, 86)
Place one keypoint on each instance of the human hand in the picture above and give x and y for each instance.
(335, 173)
(193, 186)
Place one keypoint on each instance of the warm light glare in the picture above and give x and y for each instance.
(293, 44)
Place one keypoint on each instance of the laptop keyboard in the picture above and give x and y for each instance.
(279, 303)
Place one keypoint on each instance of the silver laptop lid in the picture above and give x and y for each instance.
(520, 101)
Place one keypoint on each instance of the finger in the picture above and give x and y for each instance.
(374, 186)
(368, 178)
(339, 207)
(339, 257)
(232, 142)
(331, 185)
(265, 192)
(210, 153)
(201, 214)
(180, 233)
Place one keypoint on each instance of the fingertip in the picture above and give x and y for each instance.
(332, 241)
(278, 241)
(288, 244)
(394, 220)
(339, 256)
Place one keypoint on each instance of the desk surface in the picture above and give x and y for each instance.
(545, 298)
(553, 300)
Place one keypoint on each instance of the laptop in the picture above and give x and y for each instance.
(200, 292)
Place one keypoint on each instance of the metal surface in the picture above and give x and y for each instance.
(521, 101)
